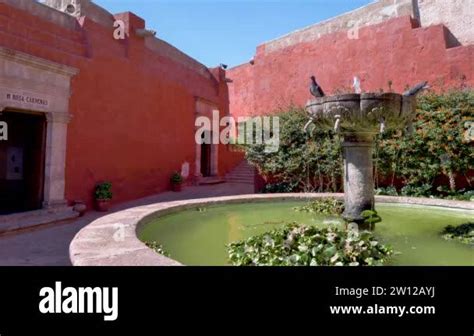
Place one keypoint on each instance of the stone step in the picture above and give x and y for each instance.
(240, 182)
(240, 179)
(211, 180)
(24, 220)
(240, 174)
(242, 170)
(247, 178)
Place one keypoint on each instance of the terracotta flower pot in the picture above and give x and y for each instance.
(102, 205)
(177, 187)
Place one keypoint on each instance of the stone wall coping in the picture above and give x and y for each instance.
(373, 13)
(44, 12)
(112, 240)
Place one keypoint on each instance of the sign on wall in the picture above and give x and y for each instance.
(26, 99)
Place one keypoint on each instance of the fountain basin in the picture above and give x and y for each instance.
(362, 113)
(99, 243)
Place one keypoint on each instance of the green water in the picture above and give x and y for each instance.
(199, 238)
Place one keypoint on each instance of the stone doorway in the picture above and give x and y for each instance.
(22, 158)
(34, 96)
(207, 161)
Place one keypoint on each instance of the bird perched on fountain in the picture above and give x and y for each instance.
(315, 89)
(356, 85)
(416, 89)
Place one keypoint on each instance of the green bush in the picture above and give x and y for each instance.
(463, 233)
(103, 191)
(437, 147)
(460, 195)
(303, 162)
(423, 190)
(387, 191)
(326, 206)
(176, 178)
(299, 245)
(278, 188)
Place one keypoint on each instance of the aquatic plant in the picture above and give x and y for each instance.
(325, 206)
(157, 248)
(300, 245)
(463, 233)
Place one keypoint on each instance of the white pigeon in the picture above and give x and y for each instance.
(356, 85)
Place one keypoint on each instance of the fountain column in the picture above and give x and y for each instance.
(358, 176)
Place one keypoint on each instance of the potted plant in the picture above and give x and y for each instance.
(177, 182)
(103, 195)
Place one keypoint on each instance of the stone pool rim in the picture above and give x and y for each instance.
(112, 240)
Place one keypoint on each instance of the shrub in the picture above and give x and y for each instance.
(299, 245)
(176, 178)
(437, 147)
(461, 195)
(326, 206)
(463, 233)
(388, 191)
(303, 162)
(417, 191)
(103, 191)
(277, 188)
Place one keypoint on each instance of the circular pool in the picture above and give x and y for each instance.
(199, 236)
(196, 231)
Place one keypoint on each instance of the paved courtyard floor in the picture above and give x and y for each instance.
(49, 245)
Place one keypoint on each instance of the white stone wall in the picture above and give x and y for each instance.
(457, 15)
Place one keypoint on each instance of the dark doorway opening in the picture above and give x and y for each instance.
(206, 160)
(22, 158)
(206, 157)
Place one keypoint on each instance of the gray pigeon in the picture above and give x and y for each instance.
(315, 89)
(416, 89)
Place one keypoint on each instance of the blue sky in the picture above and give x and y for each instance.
(228, 31)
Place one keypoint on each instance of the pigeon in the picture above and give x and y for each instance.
(316, 89)
(337, 124)
(416, 89)
(382, 125)
(356, 85)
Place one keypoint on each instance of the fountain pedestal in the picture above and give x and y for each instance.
(358, 177)
(359, 117)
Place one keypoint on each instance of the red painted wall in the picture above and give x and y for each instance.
(133, 109)
(395, 50)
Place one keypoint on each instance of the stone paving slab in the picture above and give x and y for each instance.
(24, 220)
(48, 245)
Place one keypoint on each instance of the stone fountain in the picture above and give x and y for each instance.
(358, 118)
